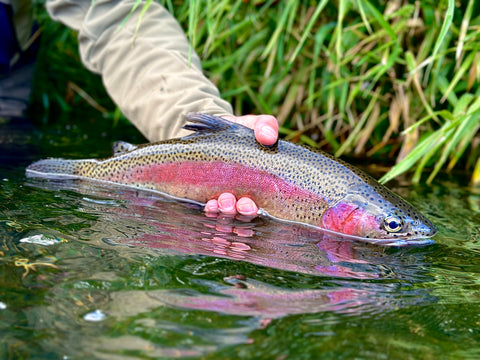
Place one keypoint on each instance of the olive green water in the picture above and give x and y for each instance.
(110, 273)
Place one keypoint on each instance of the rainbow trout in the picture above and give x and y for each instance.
(287, 181)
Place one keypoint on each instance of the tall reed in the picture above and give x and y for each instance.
(395, 80)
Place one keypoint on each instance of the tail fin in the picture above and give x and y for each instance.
(54, 168)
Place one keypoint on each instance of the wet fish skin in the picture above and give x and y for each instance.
(287, 181)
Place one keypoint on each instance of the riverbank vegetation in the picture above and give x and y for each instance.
(395, 81)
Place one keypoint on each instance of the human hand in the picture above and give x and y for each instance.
(265, 128)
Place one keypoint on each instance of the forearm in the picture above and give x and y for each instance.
(153, 75)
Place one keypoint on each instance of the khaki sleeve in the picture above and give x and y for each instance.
(153, 75)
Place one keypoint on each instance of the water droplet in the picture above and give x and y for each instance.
(97, 315)
(41, 239)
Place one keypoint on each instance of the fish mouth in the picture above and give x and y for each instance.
(399, 242)
(391, 241)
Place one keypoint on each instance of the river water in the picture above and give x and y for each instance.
(112, 273)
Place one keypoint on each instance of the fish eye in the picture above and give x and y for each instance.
(392, 224)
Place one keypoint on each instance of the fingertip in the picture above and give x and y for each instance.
(266, 130)
(246, 206)
(227, 203)
(211, 206)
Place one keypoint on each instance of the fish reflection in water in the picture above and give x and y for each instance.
(278, 246)
(290, 248)
(140, 219)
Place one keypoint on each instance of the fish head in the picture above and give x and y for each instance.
(377, 215)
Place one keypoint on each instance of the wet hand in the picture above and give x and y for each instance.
(265, 128)
(228, 204)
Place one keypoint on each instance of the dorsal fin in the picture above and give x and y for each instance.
(122, 147)
(209, 124)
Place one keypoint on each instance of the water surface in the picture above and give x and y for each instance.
(112, 273)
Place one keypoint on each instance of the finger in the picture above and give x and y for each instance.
(245, 120)
(243, 232)
(246, 206)
(211, 206)
(264, 126)
(266, 130)
(224, 228)
(227, 203)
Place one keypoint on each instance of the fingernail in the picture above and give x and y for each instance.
(211, 206)
(226, 204)
(269, 132)
(245, 207)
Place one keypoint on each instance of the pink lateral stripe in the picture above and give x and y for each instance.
(224, 176)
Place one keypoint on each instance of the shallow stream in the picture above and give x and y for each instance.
(109, 273)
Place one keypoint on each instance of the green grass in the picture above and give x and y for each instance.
(395, 83)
